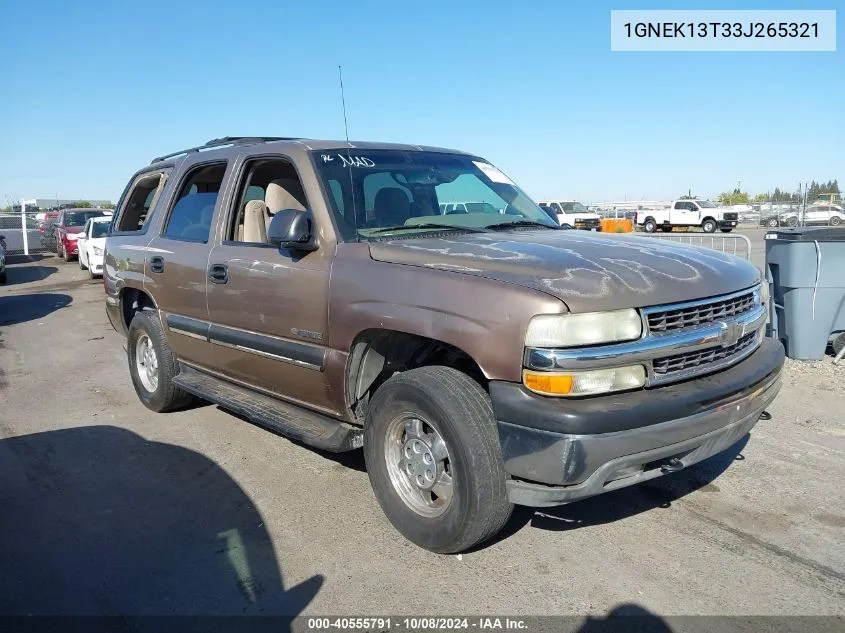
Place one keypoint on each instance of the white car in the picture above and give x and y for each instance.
(92, 243)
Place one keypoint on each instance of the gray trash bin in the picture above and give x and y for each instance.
(806, 271)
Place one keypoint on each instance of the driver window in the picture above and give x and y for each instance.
(268, 185)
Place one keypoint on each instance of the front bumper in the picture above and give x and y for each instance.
(727, 224)
(562, 450)
(95, 264)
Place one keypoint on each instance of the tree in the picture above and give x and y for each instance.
(82, 204)
(108, 205)
(734, 197)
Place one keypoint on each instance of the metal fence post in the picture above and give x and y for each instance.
(23, 228)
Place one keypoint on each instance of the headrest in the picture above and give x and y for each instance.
(284, 193)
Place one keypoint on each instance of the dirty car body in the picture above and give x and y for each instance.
(312, 285)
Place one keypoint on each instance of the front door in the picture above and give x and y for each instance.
(177, 261)
(269, 307)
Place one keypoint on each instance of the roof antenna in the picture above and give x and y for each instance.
(348, 155)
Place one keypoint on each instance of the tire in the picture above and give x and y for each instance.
(3, 277)
(81, 265)
(67, 256)
(835, 220)
(666, 228)
(162, 395)
(649, 226)
(450, 406)
(59, 250)
(773, 222)
(726, 230)
(709, 225)
(792, 222)
(838, 343)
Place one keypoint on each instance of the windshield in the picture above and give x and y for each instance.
(706, 204)
(374, 190)
(99, 229)
(573, 207)
(79, 218)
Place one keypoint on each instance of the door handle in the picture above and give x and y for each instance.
(157, 264)
(218, 273)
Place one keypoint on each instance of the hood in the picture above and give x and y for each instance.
(588, 272)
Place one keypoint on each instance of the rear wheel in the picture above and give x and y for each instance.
(773, 222)
(433, 458)
(838, 343)
(835, 220)
(3, 277)
(649, 226)
(709, 225)
(152, 366)
(666, 228)
(726, 230)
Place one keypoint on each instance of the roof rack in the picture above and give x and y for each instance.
(226, 140)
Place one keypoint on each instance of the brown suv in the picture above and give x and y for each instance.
(482, 359)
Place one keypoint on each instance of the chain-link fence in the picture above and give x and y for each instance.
(27, 233)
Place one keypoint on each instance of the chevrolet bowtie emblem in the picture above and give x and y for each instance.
(731, 333)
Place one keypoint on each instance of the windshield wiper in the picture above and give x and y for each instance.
(507, 225)
(428, 225)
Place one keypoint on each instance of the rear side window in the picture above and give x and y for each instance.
(135, 211)
(193, 208)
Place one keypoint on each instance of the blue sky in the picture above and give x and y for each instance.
(92, 90)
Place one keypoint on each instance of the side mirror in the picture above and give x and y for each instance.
(291, 229)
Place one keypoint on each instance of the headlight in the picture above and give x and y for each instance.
(572, 330)
(584, 383)
(97, 250)
(72, 236)
(764, 294)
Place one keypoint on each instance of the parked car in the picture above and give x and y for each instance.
(2, 259)
(481, 360)
(782, 219)
(10, 226)
(688, 213)
(574, 214)
(92, 243)
(823, 215)
(68, 227)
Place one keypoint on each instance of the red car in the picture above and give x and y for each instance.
(69, 225)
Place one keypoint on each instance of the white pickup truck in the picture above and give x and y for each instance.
(688, 213)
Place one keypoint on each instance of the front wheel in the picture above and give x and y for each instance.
(709, 226)
(773, 222)
(433, 458)
(835, 220)
(81, 265)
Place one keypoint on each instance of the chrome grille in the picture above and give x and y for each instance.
(672, 319)
(730, 215)
(682, 362)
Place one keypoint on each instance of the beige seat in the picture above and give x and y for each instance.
(283, 193)
(255, 225)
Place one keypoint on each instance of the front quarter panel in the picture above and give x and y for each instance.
(485, 318)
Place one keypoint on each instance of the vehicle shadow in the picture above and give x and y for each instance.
(16, 309)
(98, 521)
(25, 259)
(16, 274)
(626, 502)
(628, 617)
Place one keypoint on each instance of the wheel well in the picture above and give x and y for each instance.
(649, 217)
(133, 301)
(378, 354)
(708, 218)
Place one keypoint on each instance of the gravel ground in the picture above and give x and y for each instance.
(106, 507)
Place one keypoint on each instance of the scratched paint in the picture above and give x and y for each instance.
(588, 272)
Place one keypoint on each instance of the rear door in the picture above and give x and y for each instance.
(177, 257)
